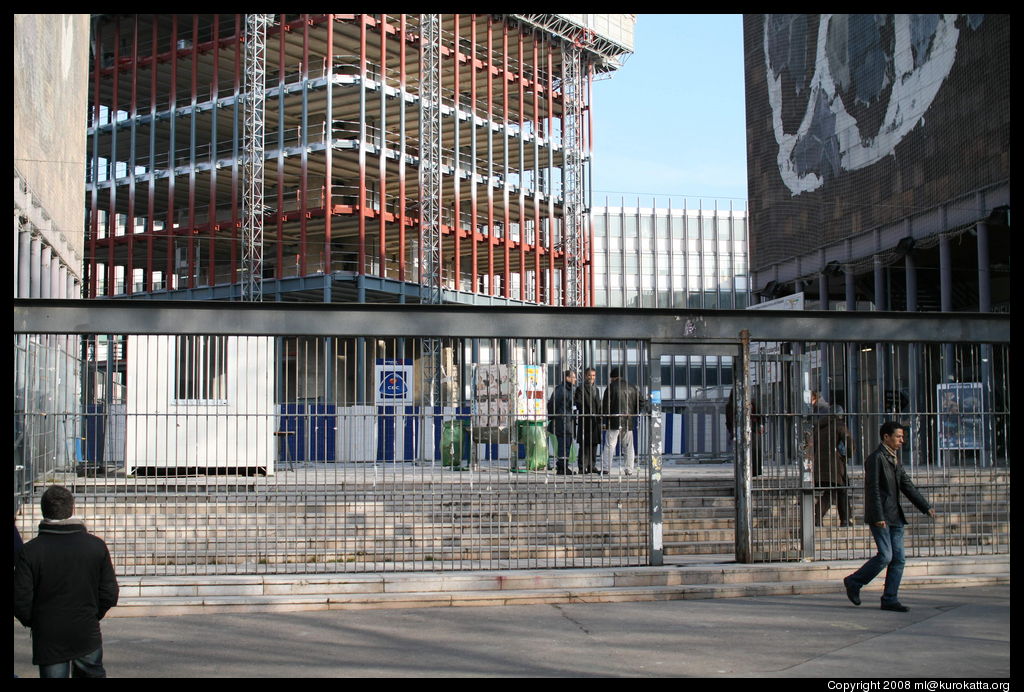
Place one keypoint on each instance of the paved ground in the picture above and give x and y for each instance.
(956, 632)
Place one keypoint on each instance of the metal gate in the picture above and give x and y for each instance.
(443, 457)
(816, 409)
(346, 449)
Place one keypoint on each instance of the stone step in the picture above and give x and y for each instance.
(142, 596)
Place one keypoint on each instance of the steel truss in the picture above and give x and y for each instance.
(252, 155)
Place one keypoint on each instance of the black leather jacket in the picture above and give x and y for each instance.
(883, 483)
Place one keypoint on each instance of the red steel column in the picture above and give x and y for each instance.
(522, 149)
(590, 221)
(304, 166)
(329, 141)
(362, 146)
(212, 215)
(94, 212)
(474, 247)
(550, 92)
(235, 219)
(382, 245)
(172, 106)
(192, 155)
(281, 67)
(151, 196)
(490, 156)
(401, 151)
(456, 181)
(506, 230)
(111, 233)
(130, 229)
(536, 170)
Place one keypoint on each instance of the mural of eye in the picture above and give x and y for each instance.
(873, 79)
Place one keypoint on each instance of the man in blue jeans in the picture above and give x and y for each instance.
(884, 480)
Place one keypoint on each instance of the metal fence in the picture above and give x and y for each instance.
(227, 453)
(242, 438)
(816, 410)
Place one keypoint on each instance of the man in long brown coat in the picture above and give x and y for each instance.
(833, 444)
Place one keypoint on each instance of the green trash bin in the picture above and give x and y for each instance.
(452, 432)
(533, 436)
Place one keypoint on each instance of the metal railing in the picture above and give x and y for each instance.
(265, 453)
(319, 454)
(816, 412)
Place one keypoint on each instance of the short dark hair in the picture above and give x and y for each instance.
(614, 372)
(590, 370)
(888, 428)
(57, 503)
(569, 372)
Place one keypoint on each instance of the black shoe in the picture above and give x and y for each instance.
(897, 607)
(852, 591)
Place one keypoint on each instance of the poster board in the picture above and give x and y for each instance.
(960, 415)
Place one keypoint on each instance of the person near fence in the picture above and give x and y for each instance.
(884, 480)
(64, 584)
(588, 421)
(562, 421)
(621, 405)
(832, 445)
(756, 431)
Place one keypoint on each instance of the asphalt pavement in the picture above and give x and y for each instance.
(959, 633)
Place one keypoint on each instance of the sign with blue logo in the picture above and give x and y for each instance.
(394, 381)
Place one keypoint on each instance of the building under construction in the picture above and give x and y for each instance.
(402, 158)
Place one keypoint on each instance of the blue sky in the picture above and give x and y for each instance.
(671, 122)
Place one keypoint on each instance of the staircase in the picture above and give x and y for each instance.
(143, 596)
(218, 548)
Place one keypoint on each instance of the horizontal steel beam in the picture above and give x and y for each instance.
(534, 322)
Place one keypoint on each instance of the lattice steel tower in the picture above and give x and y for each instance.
(252, 156)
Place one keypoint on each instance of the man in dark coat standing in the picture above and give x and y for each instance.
(832, 445)
(884, 480)
(64, 584)
(562, 421)
(588, 425)
(621, 404)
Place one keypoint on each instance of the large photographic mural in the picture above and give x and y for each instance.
(858, 122)
(872, 80)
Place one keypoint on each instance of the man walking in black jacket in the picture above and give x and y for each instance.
(884, 480)
(64, 584)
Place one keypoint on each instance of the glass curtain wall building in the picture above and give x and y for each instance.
(687, 257)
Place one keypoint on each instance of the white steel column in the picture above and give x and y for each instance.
(252, 157)
(573, 190)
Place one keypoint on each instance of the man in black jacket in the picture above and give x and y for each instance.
(884, 480)
(588, 426)
(562, 421)
(64, 584)
(621, 404)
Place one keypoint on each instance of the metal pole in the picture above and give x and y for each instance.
(741, 375)
(654, 481)
(252, 166)
(985, 305)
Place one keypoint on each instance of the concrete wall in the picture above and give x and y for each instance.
(51, 77)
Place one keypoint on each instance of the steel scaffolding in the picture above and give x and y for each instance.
(380, 186)
(252, 156)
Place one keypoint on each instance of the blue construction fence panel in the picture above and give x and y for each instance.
(94, 432)
(307, 432)
(398, 431)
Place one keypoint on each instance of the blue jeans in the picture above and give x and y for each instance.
(87, 666)
(891, 557)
